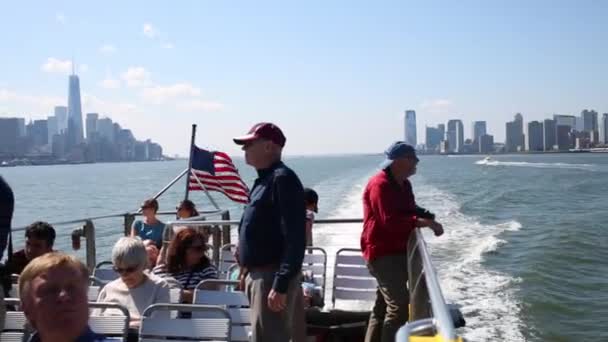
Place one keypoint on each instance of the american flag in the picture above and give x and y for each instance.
(216, 172)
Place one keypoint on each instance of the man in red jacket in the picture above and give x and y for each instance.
(389, 217)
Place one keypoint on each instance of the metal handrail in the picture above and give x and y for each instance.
(122, 214)
(236, 222)
(440, 308)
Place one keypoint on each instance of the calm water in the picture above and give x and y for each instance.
(525, 252)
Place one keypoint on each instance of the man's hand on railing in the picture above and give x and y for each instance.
(435, 226)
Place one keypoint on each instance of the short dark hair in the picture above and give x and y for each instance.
(40, 230)
(188, 205)
(150, 203)
(310, 196)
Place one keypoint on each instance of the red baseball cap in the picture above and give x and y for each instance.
(262, 130)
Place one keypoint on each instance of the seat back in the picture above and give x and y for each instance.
(110, 326)
(227, 259)
(216, 292)
(212, 292)
(104, 272)
(315, 260)
(93, 293)
(352, 280)
(14, 324)
(14, 292)
(217, 327)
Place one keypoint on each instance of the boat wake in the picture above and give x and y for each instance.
(491, 162)
(486, 297)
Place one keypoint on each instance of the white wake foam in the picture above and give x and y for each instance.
(491, 162)
(486, 297)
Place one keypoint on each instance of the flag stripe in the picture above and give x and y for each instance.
(216, 172)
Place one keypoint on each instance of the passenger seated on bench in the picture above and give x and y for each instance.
(39, 240)
(53, 290)
(187, 262)
(134, 290)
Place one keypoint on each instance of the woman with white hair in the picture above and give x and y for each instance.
(134, 290)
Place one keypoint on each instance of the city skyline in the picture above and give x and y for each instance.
(308, 70)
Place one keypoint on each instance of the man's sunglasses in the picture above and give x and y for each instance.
(125, 270)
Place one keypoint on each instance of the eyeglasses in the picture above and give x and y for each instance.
(125, 270)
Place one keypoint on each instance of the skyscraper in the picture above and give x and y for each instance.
(515, 138)
(549, 131)
(75, 131)
(61, 113)
(479, 129)
(91, 124)
(410, 127)
(52, 128)
(105, 127)
(603, 129)
(589, 118)
(434, 136)
(535, 136)
(455, 136)
(565, 120)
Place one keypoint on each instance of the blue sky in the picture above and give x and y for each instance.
(336, 76)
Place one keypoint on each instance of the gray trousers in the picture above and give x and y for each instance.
(267, 325)
(390, 310)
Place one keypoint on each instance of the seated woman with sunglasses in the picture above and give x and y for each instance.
(135, 290)
(187, 262)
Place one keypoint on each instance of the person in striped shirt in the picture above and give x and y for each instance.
(187, 262)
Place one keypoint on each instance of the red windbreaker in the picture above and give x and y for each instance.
(389, 216)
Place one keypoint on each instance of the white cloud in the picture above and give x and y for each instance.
(110, 83)
(57, 65)
(107, 49)
(136, 77)
(150, 31)
(168, 46)
(200, 105)
(92, 103)
(27, 103)
(437, 106)
(162, 94)
(60, 18)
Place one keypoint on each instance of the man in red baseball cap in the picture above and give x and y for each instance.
(272, 237)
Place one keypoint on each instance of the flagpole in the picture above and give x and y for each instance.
(206, 191)
(190, 161)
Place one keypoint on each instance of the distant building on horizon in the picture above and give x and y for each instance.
(563, 137)
(61, 115)
(91, 124)
(589, 118)
(75, 131)
(434, 136)
(549, 131)
(515, 138)
(479, 129)
(603, 129)
(455, 136)
(535, 136)
(565, 120)
(486, 143)
(410, 128)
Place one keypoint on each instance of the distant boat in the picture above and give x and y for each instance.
(485, 161)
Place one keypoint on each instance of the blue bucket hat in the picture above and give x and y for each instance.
(398, 150)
